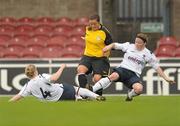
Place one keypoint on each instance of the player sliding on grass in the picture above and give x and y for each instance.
(42, 86)
(135, 58)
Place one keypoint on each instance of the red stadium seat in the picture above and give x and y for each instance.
(25, 29)
(165, 51)
(18, 42)
(43, 30)
(50, 52)
(62, 30)
(26, 20)
(79, 30)
(84, 21)
(75, 42)
(4, 41)
(1, 53)
(57, 41)
(8, 20)
(177, 52)
(11, 53)
(168, 41)
(64, 21)
(31, 53)
(45, 20)
(38, 41)
(7, 29)
(71, 53)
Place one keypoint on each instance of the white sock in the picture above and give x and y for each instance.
(132, 93)
(86, 93)
(103, 83)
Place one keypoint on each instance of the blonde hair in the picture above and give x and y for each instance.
(142, 36)
(30, 70)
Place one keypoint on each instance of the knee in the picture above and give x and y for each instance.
(82, 69)
(114, 76)
(138, 88)
(96, 78)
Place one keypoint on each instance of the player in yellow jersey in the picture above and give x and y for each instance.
(94, 60)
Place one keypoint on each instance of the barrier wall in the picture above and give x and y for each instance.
(12, 76)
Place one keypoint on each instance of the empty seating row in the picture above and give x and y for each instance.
(50, 52)
(39, 43)
(44, 20)
(41, 30)
(168, 47)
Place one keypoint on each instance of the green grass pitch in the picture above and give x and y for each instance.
(143, 111)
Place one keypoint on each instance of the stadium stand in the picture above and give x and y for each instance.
(8, 20)
(62, 30)
(7, 29)
(78, 30)
(31, 53)
(177, 52)
(26, 20)
(168, 41)
(43, 29)
(50, 52)
(70, 52)
(165, 51)
(82, 21)
(64, 21)
(45, 21)
(24, 29)
(45, 33)
(12, 52)
(4, 41)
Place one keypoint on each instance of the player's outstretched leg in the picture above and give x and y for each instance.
(87, 93)
(100, 98)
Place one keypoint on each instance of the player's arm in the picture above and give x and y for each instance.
(55, 76)
(117, 46)
(154, 63)
(15, 98)
(108, 47)
(163, 75)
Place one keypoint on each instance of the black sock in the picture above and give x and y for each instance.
(82, 80)
(99, 92)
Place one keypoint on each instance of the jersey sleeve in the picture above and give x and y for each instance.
(25, 91)
(122, 46)
(153, 61)
(108, 40)
(47, 76)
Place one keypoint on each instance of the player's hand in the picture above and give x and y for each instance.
(106, 48)
(171, 81)
(63, 66)
(82, 37)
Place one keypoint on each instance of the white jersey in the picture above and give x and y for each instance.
(42, 88)
(135, 60)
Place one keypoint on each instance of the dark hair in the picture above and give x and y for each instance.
(94, 17)
(143, 37)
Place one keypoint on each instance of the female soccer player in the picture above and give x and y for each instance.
(43, 87)
(93, 61)
(128, 72)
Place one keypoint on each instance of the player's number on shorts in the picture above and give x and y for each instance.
(45, 93)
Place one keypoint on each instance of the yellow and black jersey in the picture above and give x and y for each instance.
(96, 41)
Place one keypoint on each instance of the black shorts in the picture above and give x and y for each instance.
(97, 65)
(127, 77)
(68, 93)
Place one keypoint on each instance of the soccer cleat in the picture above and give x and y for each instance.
(128, 98)
(100, 98)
